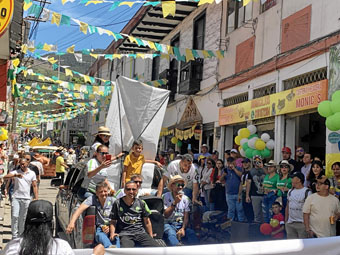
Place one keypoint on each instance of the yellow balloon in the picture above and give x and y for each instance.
(274, 223)
(244, 133)
(260, 145)
(3, 137)
(174, 140)
(238, 140)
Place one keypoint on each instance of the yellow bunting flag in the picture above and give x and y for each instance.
(126, 3)
(165, 56)
(245, 2)
(56, 18)
(52, 60)
(47, 47)
(24, 48)
(152, 45)
(41, 77)
(205, 54)
(94, 2)
(132, 39)
(205, 2)
(170, 50)
(119, 56)
(68, 72)
(94, 55)
(140, 55)
(70, 49)
(77, 86)
(169, 8)
(83, 27)
(95, 89)
(188, 55)
(87, 78)
(15, 62)
(27, 5)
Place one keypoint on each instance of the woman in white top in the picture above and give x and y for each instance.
(38, 238)
(206, 183)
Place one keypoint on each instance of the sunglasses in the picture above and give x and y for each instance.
(138, 182)
(284, 166)
(103, 153)
(180, 185)
(320, 183)
(299, 150)
(209, 163)
(129, 189)
(106, 136)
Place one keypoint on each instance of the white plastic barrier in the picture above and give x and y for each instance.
(317, 246)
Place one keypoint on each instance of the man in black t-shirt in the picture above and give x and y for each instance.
(131, 221)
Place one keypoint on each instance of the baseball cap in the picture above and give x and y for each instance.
(233, 150)
(257, 157)
(286, 149)
(39, 211)
(300, 176)
(230, 159)
(246, 160)
(205, 145)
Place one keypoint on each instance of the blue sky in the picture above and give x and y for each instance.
(97, 15)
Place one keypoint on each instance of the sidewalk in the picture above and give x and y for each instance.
(45, 192)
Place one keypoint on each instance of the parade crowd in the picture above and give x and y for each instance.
(290, 199)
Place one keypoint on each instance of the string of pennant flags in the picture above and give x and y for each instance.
(181, 54)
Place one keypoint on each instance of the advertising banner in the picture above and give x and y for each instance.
(288, 101)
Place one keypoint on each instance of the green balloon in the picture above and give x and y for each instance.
(336, 95)
(330, 123)
(249, 153)
(256, 152)
(253, 135)
(336, 120)
(179, 143)
(335, 106)
(245, 146)
(324, 109)
(265, 153)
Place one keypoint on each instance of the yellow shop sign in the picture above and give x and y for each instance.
(288, 101)
(6, 13)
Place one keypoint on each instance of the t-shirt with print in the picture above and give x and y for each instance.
(130, 218)
(244, 179)
(256, 176)
(103, 213)
(320, 209)
(270, 183)
(174, 169)
(283, 183)
(281, 220)
(98, 178)
(177, 216)
(141, 192)
(22, 186)
(134, 165)
(232, 181)
(296, 199)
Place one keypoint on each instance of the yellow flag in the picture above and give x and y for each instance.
(77, 95)
(70, 49)
(56, 18)
(87, 78)
(126, 3)
(41, 77)
(94, 2)
(94, 55)
(25, 73)
(169, 8)
(52, 60)
(152, 45)
(140, 55)
(83, 27)
(68, 72)
(132, 39)
(219, 54)
(15, 62)
(24, 48)
(205, 54)
(206, 2)
(92, 97)
(95, 89)
(119, 56)
(188, 55)
(165, 56)
(44, 87)
(170, 50)
(27, 5)
(245, 2)
(47, 47)
(77, 86)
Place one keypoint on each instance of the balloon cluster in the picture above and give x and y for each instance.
(174, 140)
(251, 144)
(267, 228)
(331, 111)
(3, 134)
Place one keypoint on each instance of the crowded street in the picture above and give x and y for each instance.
(169, 127)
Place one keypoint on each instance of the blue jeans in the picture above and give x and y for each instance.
(284, 204)
(235, 208)
(104, 239)
(267, 203)
(171, 237)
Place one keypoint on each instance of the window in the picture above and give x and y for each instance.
(237, 14)
(317, 75)
(172, 81)
(199, 31)
(155, 68)
(265, 91)
(235, 99)
(267, 5)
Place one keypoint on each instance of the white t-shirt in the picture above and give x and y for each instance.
(59, 247)
(22, 186)
(321, 209)
(296, 198)
(177, 216)
(39, 166)
(174, 169)
(98, 178)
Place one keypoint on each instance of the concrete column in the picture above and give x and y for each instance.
(290, 134)
(279, 136)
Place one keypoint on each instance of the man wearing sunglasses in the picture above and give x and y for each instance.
(131, 221)
(138, 179)
(96, 172)
(176, 214)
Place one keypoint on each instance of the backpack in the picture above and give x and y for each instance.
(306, 193)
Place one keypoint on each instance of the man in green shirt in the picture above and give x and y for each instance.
(270, 189)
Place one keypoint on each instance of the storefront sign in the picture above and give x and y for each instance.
(6, 13)
(288, 101)
(334, 137)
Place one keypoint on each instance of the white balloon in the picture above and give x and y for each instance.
(242, 152)
(252, 129)
(243, 141)
(265, 137)
(270, 144)
(238, 132)
(252, 142)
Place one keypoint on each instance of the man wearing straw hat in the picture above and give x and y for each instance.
(176, 213)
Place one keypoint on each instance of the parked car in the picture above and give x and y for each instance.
(67, 202)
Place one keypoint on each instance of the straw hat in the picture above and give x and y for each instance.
(174, 179)
(271, 163)
(285, 162)
(103, 131)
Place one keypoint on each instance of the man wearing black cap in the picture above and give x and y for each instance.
(295, 199)
(247, 207)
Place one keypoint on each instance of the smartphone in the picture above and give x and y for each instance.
(107, 157)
